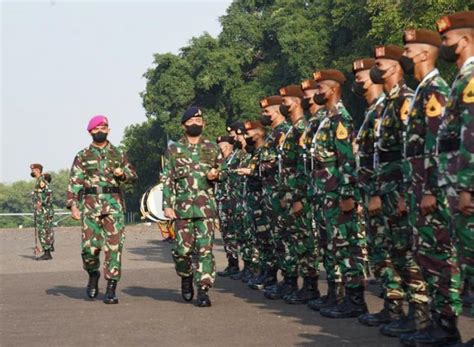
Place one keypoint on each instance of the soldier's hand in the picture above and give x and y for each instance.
(213, 174)
(38, 205)
(243, 171)
(466, 205)
(401, 206)
(428, 204)
(347, 205)
(118, 172)
(297, 207)
(75, 213)
(169, 213)
(375, 205)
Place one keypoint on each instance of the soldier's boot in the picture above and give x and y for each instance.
(252, 273)
(231, 269)
(92, 289)
(466, 295)
(331, 299)
(392, 310)
(187, 290)
(353, 305)
(52, 248)
(46, 255)
(309, 291)
(267, 279)
(202, 297)
(442, 332)
(110, 297)
(407, 327)
(239, 275)
(283, 288)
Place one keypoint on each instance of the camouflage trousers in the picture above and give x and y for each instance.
(229, 237)
(105, 232)
(271, 208)
(344, 241)
(44, 229)
(261, 226)
(196, 237)
(247, 236)
(393, 239)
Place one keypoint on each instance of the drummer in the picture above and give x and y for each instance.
(188, 198)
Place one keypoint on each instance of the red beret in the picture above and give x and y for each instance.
(329, 75)
(308, 84)
(274, 100)
(249, 125)
(388, 52)
(293, 90)
(362, 64)
(429, 37)
(458, 20)
(36, 166)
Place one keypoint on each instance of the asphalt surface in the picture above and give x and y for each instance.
(44, 303)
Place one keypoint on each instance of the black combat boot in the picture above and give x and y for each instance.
(241, 274)
(353, 305)
(442, 331)
(466, 295)
(203, 298)
(46, 255)
(283, 288)
(187, 290)
(231, 269)
(308, 292)
(392, 310)
(332, 298)
(251, 274)
(268, 279)
(110, 297)
(92, 289)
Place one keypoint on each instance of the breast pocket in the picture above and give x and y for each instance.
(181, 177)
(91, 167)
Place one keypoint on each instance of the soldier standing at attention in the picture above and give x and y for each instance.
(188, 199)
(95, 197)
(43, 211)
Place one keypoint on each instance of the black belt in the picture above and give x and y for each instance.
(102, 190)
(386, 157)
(415, 152)
(449, 145)
(367, 162)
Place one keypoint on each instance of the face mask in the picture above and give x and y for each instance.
(99, 137)
(250, 141)
(249, 148)
(448, 53)
(306, 103)
(320, 99)
(408, 65)
(32, 174)
(266, 120)
(194, 130)
(238, 144)
(376, 75)
(285, 110)
(358, 88)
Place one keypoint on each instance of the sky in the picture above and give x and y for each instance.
(65, 61)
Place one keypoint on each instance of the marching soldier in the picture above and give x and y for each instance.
(43, 211)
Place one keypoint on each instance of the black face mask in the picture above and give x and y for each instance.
(32, 174)
(284, 110)
(266, 120)
(320, 99)
(448, 53)
(358, 88)
(376, 75)
(194, 130)
(408, 65)
(306, 103)
(249, 148)
(250, 141)
(238, 144)
(99, 137)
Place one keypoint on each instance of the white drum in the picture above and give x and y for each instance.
(151, 204)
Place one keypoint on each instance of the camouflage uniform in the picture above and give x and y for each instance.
(97, 192)
(42, 197)
(190, 194)
(455, 174)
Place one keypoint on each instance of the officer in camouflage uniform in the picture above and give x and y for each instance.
(268, 168)
(335, 180)
(188, 199)
(95, 197)
(42, 197)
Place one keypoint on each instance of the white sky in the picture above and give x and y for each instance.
(64, 61)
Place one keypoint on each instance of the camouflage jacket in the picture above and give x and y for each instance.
(424, 119)
(389, 140)
(93, 167)
(186, 188)
(365, 143)
(42, 196)
(332, 150)
(456, 166)
(223, 188)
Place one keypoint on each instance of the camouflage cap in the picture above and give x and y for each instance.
(428, 37)
(362, 64)
(458, 20)
(329, 75)
(392, 52)
(293, 90)
(36, 166)
(274, 100)
(225, 138)
(308, 84)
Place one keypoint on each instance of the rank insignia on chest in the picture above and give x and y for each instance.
(404, 110)
(341, 132)
(42, 184)
(468, 92)
(433, 107)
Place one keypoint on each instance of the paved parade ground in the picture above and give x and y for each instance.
(43, 303)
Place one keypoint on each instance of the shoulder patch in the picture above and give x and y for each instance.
(341, 132)
(404, 110)
(468, 92)
(433, 107)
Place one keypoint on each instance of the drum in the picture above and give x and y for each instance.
(151, 204)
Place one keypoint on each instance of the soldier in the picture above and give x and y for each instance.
(188, 199)
(335, 180)
(95, 196)
(365, 141)
(400, 268)
(43, 210)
